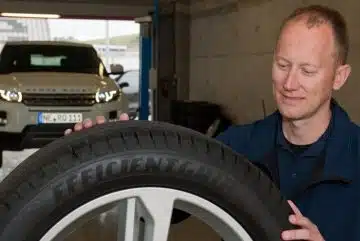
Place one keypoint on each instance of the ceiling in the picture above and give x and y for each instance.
(110, 9)
(113, 2)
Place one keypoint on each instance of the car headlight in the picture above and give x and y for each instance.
(106, 96)
(11, 95)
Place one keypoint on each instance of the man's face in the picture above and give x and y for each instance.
(304, 69)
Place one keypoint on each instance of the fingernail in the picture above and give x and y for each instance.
(88, 123)
(78, 127)
(285, 235)
(124, 116)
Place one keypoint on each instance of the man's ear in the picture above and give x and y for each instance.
(341, 75)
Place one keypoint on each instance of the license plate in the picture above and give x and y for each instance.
(58, 118)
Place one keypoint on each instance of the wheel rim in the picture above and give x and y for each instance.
(155, 206)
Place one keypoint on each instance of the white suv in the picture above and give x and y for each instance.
(46, 87)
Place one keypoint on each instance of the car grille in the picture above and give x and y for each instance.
(58, 99)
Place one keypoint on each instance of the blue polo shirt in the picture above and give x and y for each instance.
(331, 198)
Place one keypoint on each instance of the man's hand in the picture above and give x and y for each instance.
(88, 123)
(307, 231)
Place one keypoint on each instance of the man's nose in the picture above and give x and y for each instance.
(291, 81)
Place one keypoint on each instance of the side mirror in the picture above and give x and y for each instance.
(124, 85)
(116, 69)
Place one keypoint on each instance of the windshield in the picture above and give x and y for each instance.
(50, 58)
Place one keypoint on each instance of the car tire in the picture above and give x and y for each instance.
(171, 156)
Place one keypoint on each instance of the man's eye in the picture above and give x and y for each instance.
(308, 72)
(282, 66)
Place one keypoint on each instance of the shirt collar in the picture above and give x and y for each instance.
(338, 141)
(341, 150)
(315, 149)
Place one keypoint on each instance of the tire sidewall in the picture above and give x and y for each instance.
(100, 176)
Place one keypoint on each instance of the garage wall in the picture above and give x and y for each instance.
(231, 51)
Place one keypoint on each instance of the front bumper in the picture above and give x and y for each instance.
(16, 117)
(33, 136)
(20, 128)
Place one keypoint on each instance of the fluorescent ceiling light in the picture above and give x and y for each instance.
(30, 15)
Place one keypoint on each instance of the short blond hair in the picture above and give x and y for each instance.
(317, 15)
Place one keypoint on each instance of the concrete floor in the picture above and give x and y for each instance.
(12, 159)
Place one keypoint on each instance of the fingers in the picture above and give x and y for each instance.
(298, 218)
(67, 132)
(307, 230)
(78, 126)
(124, 117)
(100, 120)
(301, 221)
(87, 123)
(302, 234)
(294, 208)
(298, 234)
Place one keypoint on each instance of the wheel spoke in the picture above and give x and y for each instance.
(129, 221)
(159, 208)
(155, 212)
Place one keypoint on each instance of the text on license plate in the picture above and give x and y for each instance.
(54, 118)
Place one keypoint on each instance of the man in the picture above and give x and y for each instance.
(309, 147)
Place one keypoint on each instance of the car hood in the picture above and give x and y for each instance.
(56, 82)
